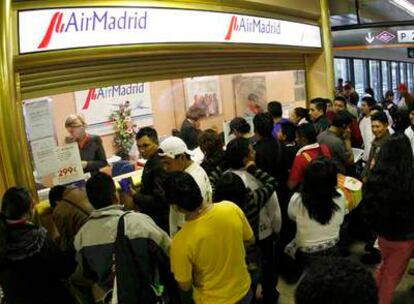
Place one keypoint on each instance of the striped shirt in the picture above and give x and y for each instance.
(256, 199)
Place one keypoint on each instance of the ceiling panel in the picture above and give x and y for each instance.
(345, 12)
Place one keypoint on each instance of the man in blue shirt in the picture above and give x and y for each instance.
(275, 109)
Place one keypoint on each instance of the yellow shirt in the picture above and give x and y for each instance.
(210, 252)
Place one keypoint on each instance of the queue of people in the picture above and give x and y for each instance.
(218, 231)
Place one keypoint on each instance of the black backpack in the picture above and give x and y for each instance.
(136, 285)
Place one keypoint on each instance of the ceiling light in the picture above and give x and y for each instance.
(405, 5)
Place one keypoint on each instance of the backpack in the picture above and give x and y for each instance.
(134, 285)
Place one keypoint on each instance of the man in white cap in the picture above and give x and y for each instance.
(176, 157)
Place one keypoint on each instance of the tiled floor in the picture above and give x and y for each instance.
(403, 294)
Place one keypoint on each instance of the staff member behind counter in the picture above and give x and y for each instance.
(91, 150)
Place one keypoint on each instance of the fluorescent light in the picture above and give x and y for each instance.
(405, 5)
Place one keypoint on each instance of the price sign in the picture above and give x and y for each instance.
(64, 172)
(70, 165)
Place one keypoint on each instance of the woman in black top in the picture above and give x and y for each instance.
(91, 149)
(389, 206)
(31, 264)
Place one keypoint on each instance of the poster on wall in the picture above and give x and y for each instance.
(250, 93)
(38, 117)
(203, 94)
(97, 104)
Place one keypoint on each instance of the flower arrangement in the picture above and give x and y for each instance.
(124, 136)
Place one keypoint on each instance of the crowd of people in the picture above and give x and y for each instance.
(223, 229)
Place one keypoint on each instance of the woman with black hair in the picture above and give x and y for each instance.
(319, 211)
(389, 206)
(31, 264)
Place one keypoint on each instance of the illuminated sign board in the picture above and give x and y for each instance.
(69, 28)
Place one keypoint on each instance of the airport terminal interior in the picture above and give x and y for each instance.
(207, 152)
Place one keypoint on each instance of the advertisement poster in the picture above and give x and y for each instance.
(250, 93)
(97, 104)
(45, 156)
(38, 117)
(70, 166)
(203, 94)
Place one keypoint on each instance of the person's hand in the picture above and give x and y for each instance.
(84, 164)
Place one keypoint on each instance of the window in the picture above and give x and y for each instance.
(403, 72)
(341, 69)
(394, 75)
(385, 70)
(410, 77)
(359, 72)
(375, 78)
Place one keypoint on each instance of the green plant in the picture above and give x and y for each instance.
(124, 126)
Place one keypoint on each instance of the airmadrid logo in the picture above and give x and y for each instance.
(95, 94)
(252, 25)
(62, 22)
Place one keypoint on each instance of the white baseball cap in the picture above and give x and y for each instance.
(173, 146)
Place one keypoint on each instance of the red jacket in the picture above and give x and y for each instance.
(356, 137)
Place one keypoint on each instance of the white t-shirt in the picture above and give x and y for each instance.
(367, 136)
(177, 219)
(409, 132)
(270, 215)
(311, 233)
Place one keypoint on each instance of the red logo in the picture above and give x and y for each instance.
(55, 25)
(91, 96)
(232, 27)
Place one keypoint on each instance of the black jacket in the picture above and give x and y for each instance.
(268, 156)
(389, 209)
(321, 124)
(94, 153)
(33, 268)
(151, 197)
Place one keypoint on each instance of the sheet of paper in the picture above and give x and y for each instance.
(44, 156)
(70, 165)
(39, 119)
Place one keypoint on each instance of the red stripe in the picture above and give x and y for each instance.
(232, 26)
(46, 39)
(91, 95)
(59, 21)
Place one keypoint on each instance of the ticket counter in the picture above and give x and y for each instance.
(160, 56)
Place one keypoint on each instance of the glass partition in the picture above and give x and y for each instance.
(375, 78)
(395, 75)
(385, 70)
(403, 72)
(341, 68)
(410, 77)
(111, 115)
(359, 75)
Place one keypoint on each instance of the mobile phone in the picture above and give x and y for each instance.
(126, 184)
